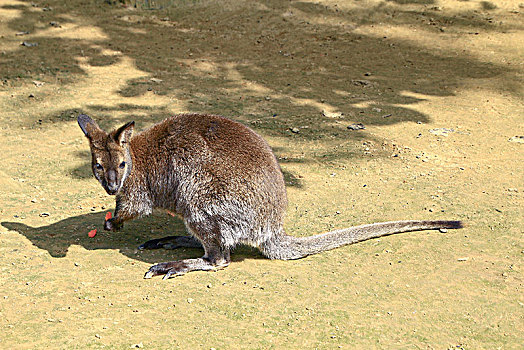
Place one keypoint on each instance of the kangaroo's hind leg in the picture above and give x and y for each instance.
(216, 254)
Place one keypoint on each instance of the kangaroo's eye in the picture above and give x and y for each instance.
(98, 166)
(122, 165)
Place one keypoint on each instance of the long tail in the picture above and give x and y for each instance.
(286, 247)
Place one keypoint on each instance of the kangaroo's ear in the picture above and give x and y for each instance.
(124, 133)
(88, 125)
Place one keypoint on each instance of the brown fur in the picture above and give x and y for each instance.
(224, 181)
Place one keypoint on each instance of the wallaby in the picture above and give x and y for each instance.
(223, 180)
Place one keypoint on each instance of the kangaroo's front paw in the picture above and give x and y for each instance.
(112, 225)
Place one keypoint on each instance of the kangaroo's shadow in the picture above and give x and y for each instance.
(56, 238)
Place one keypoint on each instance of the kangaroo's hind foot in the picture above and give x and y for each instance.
(181, 267)
(215, 258)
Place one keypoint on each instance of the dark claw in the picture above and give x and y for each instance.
(168, 269)
(171, 273)
(156, 270)
(149, 274)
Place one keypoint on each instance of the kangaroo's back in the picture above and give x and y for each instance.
(212, 140)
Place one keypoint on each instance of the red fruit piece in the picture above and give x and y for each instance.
(92, 233)
(108, 215)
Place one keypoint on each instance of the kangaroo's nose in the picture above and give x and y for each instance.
(111, 175)
(111, 180)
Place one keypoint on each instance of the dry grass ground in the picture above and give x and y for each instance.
(438, 86)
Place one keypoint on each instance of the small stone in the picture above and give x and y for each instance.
(356, 126)
(190, 300)
(21, 33)
(98, 336)
(360, 82)
(517, 139)
(443, 230)
(441, 131)
(294, 130)
(156, 80)
(44, 215)
(28, 44)
(463, 259)
(333, 115)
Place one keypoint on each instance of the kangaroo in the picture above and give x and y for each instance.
(223, 180)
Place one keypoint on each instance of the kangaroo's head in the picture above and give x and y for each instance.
(111, 155)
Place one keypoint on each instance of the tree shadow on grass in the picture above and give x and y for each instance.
(56, 238)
